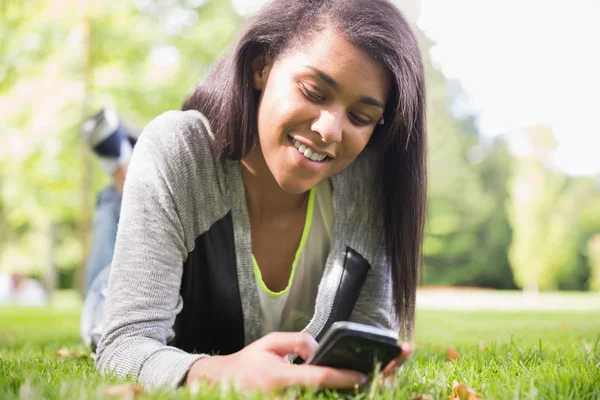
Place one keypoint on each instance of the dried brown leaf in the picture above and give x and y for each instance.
(481, 345)
(68, 353)
(125, 391)
(462, 391)
(64, 352)
(452, 354)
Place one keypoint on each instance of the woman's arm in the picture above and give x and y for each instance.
(143, 292)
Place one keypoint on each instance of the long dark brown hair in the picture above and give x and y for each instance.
(227, 98)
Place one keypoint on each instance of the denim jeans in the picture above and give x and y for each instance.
(104, 234)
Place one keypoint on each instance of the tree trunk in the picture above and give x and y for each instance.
(86, 157)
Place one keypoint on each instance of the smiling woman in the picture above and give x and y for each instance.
(287, 195)
(325, 90)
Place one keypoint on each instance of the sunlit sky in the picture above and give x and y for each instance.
(523, 62)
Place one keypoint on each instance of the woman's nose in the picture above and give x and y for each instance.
(329, 126)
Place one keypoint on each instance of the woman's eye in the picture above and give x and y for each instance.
(356, 120)
(316, 98)
(312, 96)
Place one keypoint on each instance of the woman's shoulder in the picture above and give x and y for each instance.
(183, 139)
(361, 171)
(175, 129)
(355, 188)
(175, 154)
(179, 144)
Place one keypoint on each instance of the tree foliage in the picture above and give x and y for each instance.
(491, 214)
(145, 56)
(467, 234)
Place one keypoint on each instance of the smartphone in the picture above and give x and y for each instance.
(359, 347)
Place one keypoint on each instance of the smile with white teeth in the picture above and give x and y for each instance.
(308, 153)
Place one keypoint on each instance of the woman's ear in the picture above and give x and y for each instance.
(261, 66)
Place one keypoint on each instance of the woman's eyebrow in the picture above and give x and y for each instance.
(372, 102)
(328, 79)
(331, 82)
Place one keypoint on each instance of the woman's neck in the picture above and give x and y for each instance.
(264, 196)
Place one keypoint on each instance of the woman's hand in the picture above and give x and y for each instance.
(263, 365)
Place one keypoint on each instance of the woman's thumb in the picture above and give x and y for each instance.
(283, 343)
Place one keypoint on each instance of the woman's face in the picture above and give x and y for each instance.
(318, 108)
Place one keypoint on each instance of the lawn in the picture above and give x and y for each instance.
(503, 355)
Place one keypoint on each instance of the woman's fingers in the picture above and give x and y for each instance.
(406, 352)
(321, 377)
(283, 343)
(263, 367)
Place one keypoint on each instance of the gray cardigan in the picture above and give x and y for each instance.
(174, 192)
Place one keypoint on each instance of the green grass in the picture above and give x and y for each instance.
(526, 355)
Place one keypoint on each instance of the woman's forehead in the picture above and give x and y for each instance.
(330, 52)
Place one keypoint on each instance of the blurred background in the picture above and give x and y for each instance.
(514, 133)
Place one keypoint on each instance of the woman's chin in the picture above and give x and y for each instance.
(296, 186)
